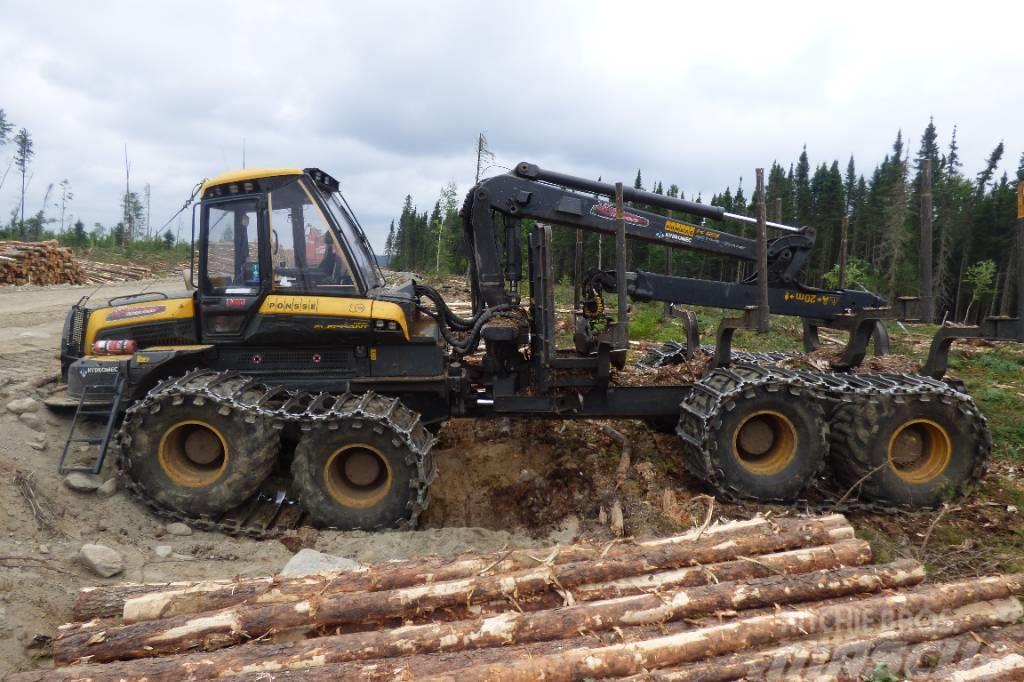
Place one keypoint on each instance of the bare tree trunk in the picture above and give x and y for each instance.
(635, 657)
(239, 623)
(927, 291)
(900, 643)
(517, 628)
(166, 599)
(203, 597)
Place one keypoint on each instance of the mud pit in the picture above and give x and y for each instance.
(507, 482)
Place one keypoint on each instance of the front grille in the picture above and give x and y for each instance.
(76, 335)
(159, 334)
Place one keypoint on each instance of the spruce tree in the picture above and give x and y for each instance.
(389, 243)
(850, 184)
(5, 128)
(802, 189)
(23, 154)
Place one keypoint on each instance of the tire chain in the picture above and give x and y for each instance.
(673, 353)
(712, 395)
(232, 392)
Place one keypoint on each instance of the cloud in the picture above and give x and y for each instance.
(390, 96)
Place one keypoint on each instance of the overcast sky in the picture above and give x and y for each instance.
(389, 97)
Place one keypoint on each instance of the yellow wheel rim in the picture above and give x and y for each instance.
(765, 442)
(919, 450)
(357, 475)
(193, 454)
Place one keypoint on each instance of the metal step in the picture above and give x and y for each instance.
(91, 398)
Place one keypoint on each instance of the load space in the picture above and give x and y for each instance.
(291, 385)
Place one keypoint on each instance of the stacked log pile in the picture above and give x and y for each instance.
(740, 600)
(95, 272)
(49, 263)
(38, 263)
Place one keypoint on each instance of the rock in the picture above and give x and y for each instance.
(83, 483)
(31, 420)
(44, 549)
(312, 561)
(38, 443)
(164, 551)
(108, 488)
(22, 406)
(101, 560)
(567, 530)
(178, 529)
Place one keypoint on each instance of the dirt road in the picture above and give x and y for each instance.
(31, 319)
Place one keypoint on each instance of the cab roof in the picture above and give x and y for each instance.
(247, 174)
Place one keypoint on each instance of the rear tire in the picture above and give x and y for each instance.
(362, 475)
(194, 459)
(763, 440)
(920, 452)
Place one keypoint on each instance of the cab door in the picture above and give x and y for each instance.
(234, 269)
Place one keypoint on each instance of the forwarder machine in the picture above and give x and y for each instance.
(293, 385)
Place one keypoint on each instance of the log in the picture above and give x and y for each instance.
(629, 659)
(518, 628)
(235, 624)
(179, 598)
(984, 668)
(200, 598)
(934, 639)
(96, 272)
(392, 669)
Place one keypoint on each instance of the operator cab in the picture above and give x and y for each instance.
(265, 234)
(286, 231)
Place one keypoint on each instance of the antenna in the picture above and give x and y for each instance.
(243, 152)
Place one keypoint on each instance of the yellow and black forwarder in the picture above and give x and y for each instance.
(291, 383)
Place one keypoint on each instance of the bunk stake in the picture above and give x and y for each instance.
(762, 255)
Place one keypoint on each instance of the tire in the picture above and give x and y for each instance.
(765, 441)
(668, 353)
(361, 475)
(160, 441)
(919, 452)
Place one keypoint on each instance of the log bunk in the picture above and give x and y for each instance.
(755, 599)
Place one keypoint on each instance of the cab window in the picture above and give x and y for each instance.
(232, 254)
(305, 255)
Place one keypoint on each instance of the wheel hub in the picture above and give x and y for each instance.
(765, 442)
(193, 454)
(357, 476)
(920, 450)
(202, 446)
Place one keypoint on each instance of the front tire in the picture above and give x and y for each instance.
(196, 459)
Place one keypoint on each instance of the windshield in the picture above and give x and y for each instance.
(359, 247)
